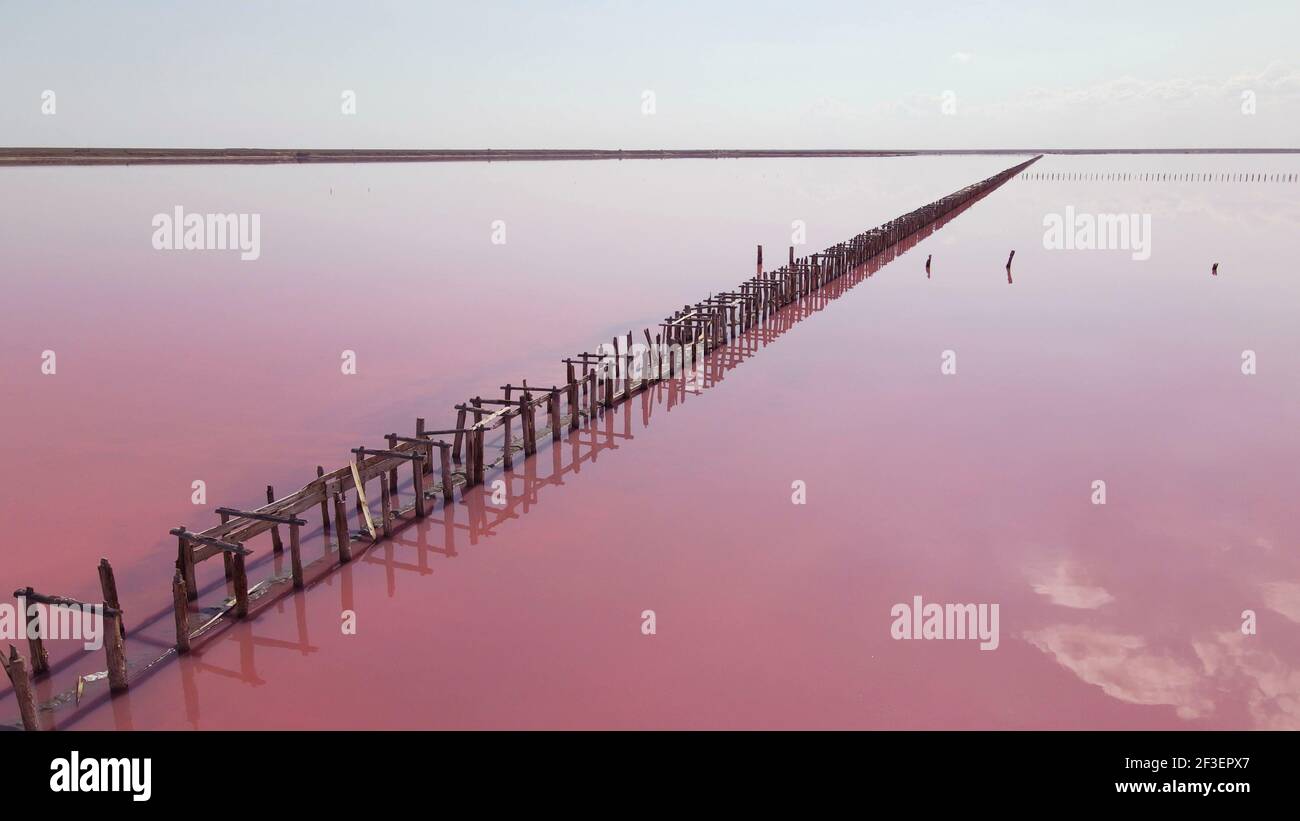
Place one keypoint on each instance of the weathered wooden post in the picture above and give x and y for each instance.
(629, 356)
(341, 525)
(419, 434)
(553, 408)
(507, 458)
(16, 669)
(240, 579)
(185, 563)
(760, 259)
(385, 498)
(277, 546)
(417, 481)
(181, 603)
(572, 382)
(391, 479)
(114, 649)
(295, 556)
(479, 435)
(324, 504)
(460, 428)
(226, 561)
(529, 424)
(444, 459)
(108, 584)
(34, 630)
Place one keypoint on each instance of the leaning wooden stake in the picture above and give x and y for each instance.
(16, 668)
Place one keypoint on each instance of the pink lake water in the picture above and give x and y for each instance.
(973, 487)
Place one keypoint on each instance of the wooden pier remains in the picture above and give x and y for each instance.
(593, 383)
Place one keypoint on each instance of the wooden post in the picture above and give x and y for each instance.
(185, 564)
(35, 644)
(527, 421)
(277, 546)
(225, 557)
(241, 584)
(477, 463)
(554, 408)
(507, 458)
(760, 259)
(419, 434)
(386, 507)
(392, 445)
(444, 457)
(573, 395)
(16, 668)
(295, 556)
(324, 504)
(108, 584)
(341, 525)
(182, 604)
(460, 428)
(627, 354)
(115, 652)
(417, 477)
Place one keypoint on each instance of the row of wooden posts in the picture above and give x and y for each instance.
(593, 381)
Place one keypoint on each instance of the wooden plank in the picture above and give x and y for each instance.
(360, 485)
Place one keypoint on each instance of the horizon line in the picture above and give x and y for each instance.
(38, 156)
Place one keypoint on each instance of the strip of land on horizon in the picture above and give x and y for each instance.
(256, 156)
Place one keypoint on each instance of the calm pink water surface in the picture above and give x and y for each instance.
(975, 487)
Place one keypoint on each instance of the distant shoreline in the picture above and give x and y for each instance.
(265, 156)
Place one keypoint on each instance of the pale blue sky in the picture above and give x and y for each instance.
(571, 74)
